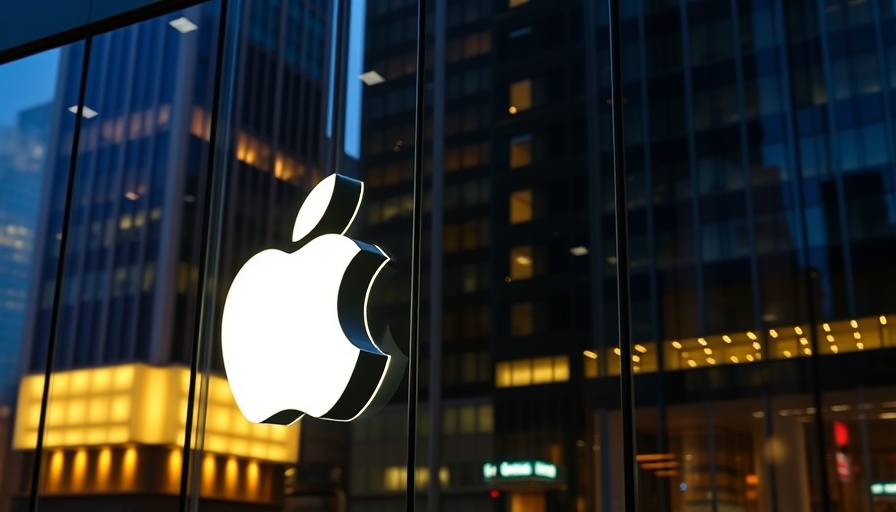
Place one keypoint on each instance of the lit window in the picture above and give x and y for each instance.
(542, 370)
(521, 372)
(516, 3)
(467, 419)
(561, 369)
(521, 262)
(520, 151)
(486, 419)
(521, 206)
(520, 96)
(502, 375)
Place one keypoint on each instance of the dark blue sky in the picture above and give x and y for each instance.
(26, 83)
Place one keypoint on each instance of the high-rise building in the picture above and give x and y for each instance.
(760, 206)
(123, 345)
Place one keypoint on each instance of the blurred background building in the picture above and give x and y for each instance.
(762, 229)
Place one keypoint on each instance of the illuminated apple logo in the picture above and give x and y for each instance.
(295, 334)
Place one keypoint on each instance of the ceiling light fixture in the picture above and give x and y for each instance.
(371, 78)
(183, 25)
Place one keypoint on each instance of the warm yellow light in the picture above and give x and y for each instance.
(57, 459)
(648, 457)
(79, 470)
(830, 338)
(252, 479)
(860, 345)
(751, 335)
(773, 333)
(129, 467)
(826, 326)
(787, 353)
(857, 335)
(140, 404)
(208, 474)
(701, 341)
(834, 349)
(692, 363)
(590, 354)
(640, 348)
(676, 345)
(734, 359)
(636, 359)
(726, 338)
(617, 351)
(798, 330)
(512, 110)
(883, 320)
(103, 467)
(749, 357)
(804, 341)
(175, 462)
(707, 351)
(756, 345)
(231, 472)
(710, 360)
(807, 351)
(854, 324)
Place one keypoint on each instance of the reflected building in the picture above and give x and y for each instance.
(760, 205)
(115, 425)
(22, 158)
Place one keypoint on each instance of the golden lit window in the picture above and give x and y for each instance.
(520, 151)
(528, 372)
(542, 370)
(521, 262)
(502, 375)
(520, 96)
(521, 321)
(521, 206)
(521, 372)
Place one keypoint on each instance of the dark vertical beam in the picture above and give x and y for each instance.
(213, 197)
(416, 257)
(433, 499)
(56, 314)
(630, 468)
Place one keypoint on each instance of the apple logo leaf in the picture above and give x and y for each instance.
(331, 207)
(295, 334)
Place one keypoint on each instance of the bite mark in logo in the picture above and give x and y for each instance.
(295, 336)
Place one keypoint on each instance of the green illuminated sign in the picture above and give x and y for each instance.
(884, 488)
(519, 469)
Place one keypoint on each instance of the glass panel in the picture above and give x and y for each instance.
(118, 391)
(760, 208)
(309, 280)
(35, 151)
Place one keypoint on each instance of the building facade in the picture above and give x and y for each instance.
(759, 152)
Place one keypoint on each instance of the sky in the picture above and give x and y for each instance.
(26, 83)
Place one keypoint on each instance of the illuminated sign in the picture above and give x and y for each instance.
(295, 334)
(884, 488)
(519, 469)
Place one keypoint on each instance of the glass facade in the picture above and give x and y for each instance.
(143, 167)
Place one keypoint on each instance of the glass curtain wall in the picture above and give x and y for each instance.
(759, 150)
(33, 134)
